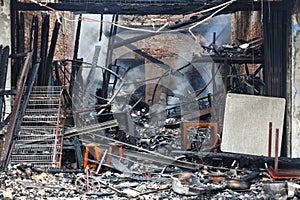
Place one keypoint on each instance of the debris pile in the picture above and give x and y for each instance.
(24, 182)
(250, 48)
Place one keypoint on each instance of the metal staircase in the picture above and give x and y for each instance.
(40, 139)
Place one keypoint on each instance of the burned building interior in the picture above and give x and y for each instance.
(149, 99)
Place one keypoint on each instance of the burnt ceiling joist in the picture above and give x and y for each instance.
(134, 7)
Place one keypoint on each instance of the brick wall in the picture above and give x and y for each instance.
(65, 42)
(246, 25)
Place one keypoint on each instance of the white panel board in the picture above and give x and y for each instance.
(246, 123)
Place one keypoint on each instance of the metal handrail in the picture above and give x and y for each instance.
(58, 122)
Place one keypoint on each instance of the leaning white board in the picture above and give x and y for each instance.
(246, 123)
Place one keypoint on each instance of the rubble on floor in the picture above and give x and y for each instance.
(208, 182)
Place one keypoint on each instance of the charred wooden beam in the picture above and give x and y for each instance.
(44, 48)
(101, 27)
(144, 54)
(177, 25)
(51, 52)
(7, 92)
(18, 55)
(143, 8)
(229, 60)
(14, 21)
(20, 41)
(34, 42)
(14, 114)
(4, 54)
(75, 65)
(245, 160)
(90, 78)
(1, 78)
(31, 34)
(57, 81)
(108, 61)
(5, 121)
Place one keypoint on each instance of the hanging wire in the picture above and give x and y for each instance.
(223, 6)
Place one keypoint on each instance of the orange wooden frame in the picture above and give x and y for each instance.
(186, 125)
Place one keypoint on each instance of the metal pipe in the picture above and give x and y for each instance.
(270, 140)
(276, 151)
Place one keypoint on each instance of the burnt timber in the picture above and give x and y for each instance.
(140, 7)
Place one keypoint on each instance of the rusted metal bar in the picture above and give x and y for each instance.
(91, 149)
(16, 105)
(121, 153)
(87, 179)
(101, 162)
(270, 140)
(58, 140)
(292, 169)
(276, 151)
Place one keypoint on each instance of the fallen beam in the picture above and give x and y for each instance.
(245, 160)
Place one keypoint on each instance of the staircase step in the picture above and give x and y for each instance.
(36, 138)
(40, 164)
(46, 111)
(33, 149)
(45, 101)
(28, 118)
(30, 130)
(46, 89)
(31, 158)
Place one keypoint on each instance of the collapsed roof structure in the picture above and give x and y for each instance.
(158, 81)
